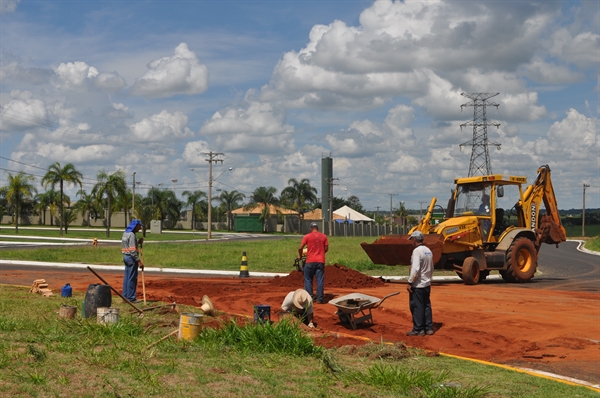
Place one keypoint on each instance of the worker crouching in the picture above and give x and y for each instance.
(300, 304)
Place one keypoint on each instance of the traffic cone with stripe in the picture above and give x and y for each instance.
(244, 267)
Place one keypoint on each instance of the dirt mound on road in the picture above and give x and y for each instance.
(336, 276)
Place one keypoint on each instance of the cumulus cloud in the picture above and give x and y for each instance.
(163, 126)
(194, 151)
(82, 154)
(411, 48)
(180, 74)
(253, 126)
(109, 81)
(22, 115)
(580, 49)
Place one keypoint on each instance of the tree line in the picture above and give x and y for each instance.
(110, 193)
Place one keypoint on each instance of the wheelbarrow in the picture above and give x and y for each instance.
(355, 308)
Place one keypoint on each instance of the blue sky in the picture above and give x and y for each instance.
(150, 86)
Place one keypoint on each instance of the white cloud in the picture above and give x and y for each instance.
(180, 74)
(163, 126)
(109, 81)
(22, 115)
(581, 49)
(549, 73)
(82, 154)
(7, 6)
(74, 74)
(194, 151)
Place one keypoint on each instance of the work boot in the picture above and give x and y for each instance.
(429, 332)
(415, 333)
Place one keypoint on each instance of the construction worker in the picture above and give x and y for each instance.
(300, 304)
(318, 245)
(419, 287)
(129, 248)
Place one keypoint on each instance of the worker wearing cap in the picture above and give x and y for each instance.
(419, 287)
(300, 304)
(129, 248)
(318, 245)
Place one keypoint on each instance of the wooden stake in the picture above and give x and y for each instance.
(164, 338)
(143, 281)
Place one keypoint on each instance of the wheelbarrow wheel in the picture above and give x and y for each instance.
(344, 317)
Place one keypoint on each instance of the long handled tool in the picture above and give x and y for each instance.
(141, 313)
(141, 242)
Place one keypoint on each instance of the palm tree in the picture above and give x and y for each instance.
(231, 201)
(18, 190)
(263, 196)
(70, 216)
(59, 175)
(144, 212)
(111, 186)
(87, 204)
(123, 203)
(193, 199)
(301, 193)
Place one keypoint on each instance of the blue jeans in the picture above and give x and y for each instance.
(130, 278)
(420, 308)
(310, 271)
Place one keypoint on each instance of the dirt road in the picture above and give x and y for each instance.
(551, 330)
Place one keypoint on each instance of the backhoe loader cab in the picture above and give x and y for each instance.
(490, 224)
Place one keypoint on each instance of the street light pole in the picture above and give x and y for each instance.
(391, 214)
(133, 198)
(583, 212)
(212, 158)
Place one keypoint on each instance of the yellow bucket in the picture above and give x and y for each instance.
(189, 325)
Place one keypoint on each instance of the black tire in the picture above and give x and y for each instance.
(470, 271)
(521, 261)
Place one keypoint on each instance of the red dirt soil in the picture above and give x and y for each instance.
(550, 330)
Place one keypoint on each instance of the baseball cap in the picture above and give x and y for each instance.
(417, 235)
(314, 225)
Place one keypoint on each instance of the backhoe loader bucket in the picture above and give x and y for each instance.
(397, 249)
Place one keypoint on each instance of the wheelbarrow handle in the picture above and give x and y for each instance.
(383, 299)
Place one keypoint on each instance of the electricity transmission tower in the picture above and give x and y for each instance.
(480, 157)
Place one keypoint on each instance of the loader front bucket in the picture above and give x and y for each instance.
(397, 249)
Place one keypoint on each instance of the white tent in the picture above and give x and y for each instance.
(351, 214)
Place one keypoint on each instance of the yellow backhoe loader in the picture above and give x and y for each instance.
(490, 224)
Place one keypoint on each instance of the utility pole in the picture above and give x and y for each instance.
(391, 214)
(133, 198)
(583, 213)
(212, 158)
(480, 156)
(421, 209)
(377, 214)
(331, 184)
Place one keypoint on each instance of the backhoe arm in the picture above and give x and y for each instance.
(549, 229)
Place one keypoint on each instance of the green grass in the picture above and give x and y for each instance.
(593, 244)
(273, 255)
(42, 355)
(574, 231)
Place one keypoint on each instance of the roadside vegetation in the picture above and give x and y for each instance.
(593, 244)
(43, 355)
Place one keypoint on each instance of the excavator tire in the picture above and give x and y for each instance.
(521, 258)
(470, 271)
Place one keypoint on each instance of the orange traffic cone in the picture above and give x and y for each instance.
(244, 267)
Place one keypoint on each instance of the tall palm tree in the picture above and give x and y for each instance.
(301, 194)
(59, 175)
(111, 186)
(263, 196)
(193, 199)
(18, 190)
(123, 203)
(70, 217)
(231, 201)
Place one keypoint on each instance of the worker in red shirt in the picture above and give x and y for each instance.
(315, 260)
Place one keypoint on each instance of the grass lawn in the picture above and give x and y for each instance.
(42, 355)
(274, 255)
(593, 244)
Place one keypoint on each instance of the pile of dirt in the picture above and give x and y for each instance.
(336, 276)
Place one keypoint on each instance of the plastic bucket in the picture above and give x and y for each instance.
(262, 313)
(96, 296)
(107, 316)
(189, 325)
